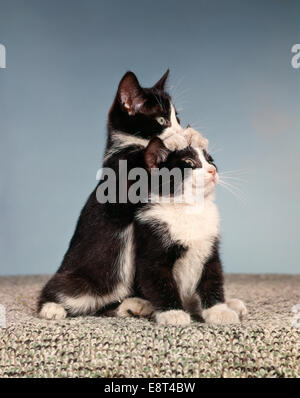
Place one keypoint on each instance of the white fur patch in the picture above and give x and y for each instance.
(52, 311)
(187, 272)
(175, 126)
(220, 314)
(173, 317)
(135, 306)
(238, 306)
(195, 139)
(87, 303)
(173, 140)
(122, 140)
(189, 228)
(196, 230)
(126, 257)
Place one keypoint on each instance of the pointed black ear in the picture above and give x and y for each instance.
(155, 153)
(160, 85)
(130, 93)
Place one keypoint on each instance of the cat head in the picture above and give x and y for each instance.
(144, 112)
(190, 161)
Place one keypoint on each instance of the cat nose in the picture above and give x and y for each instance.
(212, 170)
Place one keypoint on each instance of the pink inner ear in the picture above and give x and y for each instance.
(132, 101)
(155, 153)
(131, 93)
(150, 160)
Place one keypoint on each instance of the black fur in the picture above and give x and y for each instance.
(89, 265)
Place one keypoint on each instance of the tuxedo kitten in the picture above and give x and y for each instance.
(178, 272)
(97, 269)
(137, 114)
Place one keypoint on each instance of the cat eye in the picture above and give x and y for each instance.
(190, 162)
(161, 120)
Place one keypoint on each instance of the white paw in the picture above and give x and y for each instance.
(220, 314)
(173, 317)
(175, 141)
(53, 311)
(194, 138)
(135, 306)
(238, 306)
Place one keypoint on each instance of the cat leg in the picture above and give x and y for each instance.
(211, 292)
(49, 305)
(65, 294)
(69, 294)
(160, 288)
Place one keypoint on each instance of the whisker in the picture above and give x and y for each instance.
(231, 178)
(231, 186)
(238, 171)
(235, 191)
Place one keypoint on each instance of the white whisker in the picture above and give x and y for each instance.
(231, 178)
(236, 191)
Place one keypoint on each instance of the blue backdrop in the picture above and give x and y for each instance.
(231, 77)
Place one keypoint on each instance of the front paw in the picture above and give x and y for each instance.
(220, 314)
(173, 317)
(238, 306)
(194, 138)
(52, 310)
(174, 140)
(135, 306)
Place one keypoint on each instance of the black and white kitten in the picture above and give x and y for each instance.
(97, 269)
(178, 272)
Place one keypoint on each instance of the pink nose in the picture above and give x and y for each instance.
(212, 170)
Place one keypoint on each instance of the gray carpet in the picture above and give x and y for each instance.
(266, 344)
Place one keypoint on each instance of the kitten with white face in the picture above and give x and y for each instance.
(178, 268)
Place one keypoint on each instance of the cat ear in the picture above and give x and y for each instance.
(131, 94)
(155, 153)
(160, 85)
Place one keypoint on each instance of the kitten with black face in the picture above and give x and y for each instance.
(97, 269)
(178, 271)
(138, 114)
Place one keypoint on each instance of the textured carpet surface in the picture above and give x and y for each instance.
(265, 344)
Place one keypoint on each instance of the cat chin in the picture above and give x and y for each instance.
(209, 191)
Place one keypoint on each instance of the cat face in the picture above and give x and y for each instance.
(144, 112)
(192, 160)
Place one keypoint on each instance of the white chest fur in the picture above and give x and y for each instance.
(196, 230)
